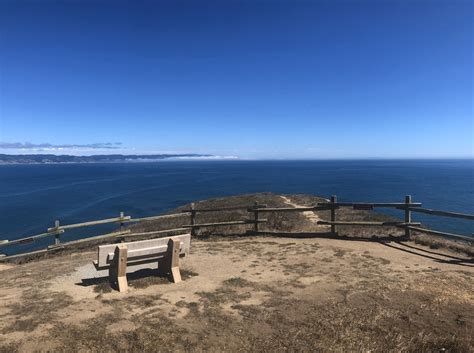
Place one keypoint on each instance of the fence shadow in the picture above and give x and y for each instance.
(429, 254)
(330, 235)
(389, 241)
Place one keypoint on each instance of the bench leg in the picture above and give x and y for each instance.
(169, 265)
(118, 269)
(174, 248)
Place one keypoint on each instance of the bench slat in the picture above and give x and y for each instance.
(153, 251)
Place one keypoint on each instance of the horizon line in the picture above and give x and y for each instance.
(212, 157)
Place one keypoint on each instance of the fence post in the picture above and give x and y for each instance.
(121, 221)
(57, 241)
(121, 239)
(333, 213)
(193, 219)
(255, 216)
(407, 215)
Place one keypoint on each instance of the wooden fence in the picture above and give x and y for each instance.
(254, 219)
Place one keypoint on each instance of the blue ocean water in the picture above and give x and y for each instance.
(33, 196)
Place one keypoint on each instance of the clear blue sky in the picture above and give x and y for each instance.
(255, 79)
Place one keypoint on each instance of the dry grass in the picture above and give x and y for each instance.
(34, 309)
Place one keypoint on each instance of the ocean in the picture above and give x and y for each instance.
(32, 197)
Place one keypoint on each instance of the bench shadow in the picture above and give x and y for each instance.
(132, 277)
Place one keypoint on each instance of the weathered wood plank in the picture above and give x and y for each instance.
(18, 256)
(153, 218)
(223, 209)
(230, 223)
(91, 223)
(27, 240)
(255, 217)
(333, 214)
(154, 250)
(372, 204)
(407, 215)
(442, 213)
(351, 223)
(292, 209)
(118, 267)
(97, 237)
(193, 220)
(174, 247)
(155, 232)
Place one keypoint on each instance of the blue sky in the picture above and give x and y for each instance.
(254, 79)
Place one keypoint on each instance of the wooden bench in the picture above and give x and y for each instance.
(165, 251)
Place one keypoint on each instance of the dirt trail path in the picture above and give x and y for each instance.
(311, 216)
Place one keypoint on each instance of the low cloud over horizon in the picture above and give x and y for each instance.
(50, 146)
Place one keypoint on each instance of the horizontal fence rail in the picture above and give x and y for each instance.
(293, 209)
(369, 205)
(407, 207)
(28, 240)
(222, 209)
(154, 218)
(89, 224)
(383, 224)
(230, 223)
(153, 232)
(442, 213)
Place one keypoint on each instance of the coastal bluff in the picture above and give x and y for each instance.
(370, 290)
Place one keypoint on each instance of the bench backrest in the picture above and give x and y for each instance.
(141, 251)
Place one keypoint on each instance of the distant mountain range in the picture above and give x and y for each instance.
(105, 158)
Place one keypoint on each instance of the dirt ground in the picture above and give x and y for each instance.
(248, 294)
(263, 293)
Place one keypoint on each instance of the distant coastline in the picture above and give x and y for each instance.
(110, 158)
